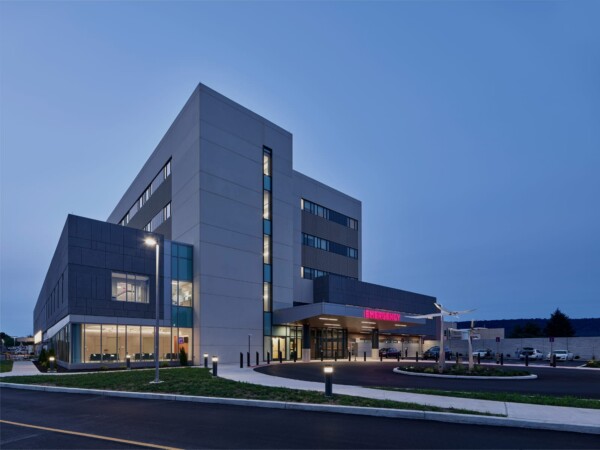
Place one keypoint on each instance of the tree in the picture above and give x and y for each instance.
(559, 325)
(8, 340)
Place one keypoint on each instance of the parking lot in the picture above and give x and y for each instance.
(562, 381)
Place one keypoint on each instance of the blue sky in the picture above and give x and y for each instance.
(469, 130)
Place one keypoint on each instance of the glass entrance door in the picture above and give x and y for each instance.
(278, 346)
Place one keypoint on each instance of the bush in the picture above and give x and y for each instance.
(183, 358)
(43, 358)
(593, 363)
(164, 364)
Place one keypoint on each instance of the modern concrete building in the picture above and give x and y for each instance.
(254, 256)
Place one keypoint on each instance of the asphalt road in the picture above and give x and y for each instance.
(550, 381)
(194, 425)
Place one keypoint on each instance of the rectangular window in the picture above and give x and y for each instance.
(266, 249)
(328, 214)
(267, 227)
(266, 297)
(130, 288)
(266, 162)
(266, 205)
(267, 273)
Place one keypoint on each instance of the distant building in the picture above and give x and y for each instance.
(254, 256)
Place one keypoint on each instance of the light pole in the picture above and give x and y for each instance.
(153, 242)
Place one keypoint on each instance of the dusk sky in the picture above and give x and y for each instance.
(469, 130)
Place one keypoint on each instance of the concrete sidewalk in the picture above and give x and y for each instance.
(21, 368)
(561, 418)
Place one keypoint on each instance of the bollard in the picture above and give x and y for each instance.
(328, 370)
(257, 358)
(349, 356)
(417, 357)
(128, 361)
(206, 360)
(380, 357)
(406, 353)
(497, 359)
(295, 356)
(280, 357)
(248, 359)
(437, 357)
(215, 365)
(398, 356)
(335, 356)
(553, 360)
(478, 358)
(365, 355)
(526, 359)
(321, 355)
(501, 359)
(52, 367)
(268, 357)
(457, 362)
(241, 360)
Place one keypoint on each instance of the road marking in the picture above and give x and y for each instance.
(88, 435)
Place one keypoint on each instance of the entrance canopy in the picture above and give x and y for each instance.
(355, 319)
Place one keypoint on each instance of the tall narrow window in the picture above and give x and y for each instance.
(267, 250)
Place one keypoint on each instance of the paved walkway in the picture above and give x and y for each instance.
(21, 368)
(518, 411)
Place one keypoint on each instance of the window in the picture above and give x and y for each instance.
(164, 173)
(328, 214)
(329, 246)
(130, 288)
(159, 218)
(310, 273)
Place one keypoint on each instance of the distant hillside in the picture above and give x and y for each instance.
(583, 327)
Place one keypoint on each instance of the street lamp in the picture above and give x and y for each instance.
(151, 242)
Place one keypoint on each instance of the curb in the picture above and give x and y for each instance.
(464, 377)
(354, 410)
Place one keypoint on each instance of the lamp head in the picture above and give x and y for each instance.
(328, 369)
(150, 242)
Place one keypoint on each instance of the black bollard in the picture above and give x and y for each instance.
(321, 355)
(437, 357)
(457, 356)
(248, 359)
(478, 358)
(335, 356)
(328, 380)
(417, 357)
(501, 359)
(365, 355)
(257, 358)
(406, 353)
(295, 356)
(206, 360)
(553, 360)
(215, 366)
(398, 356)
(268, 357)
(380, 357)
(241, 360)
(128, 359)
(280, 357)
(526, 359)
(349, 356)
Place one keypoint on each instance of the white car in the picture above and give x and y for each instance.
(533, 353)
(483, 353)
(561, 355)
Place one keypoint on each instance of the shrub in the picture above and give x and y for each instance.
(43, 358)
(183, 358)
(593, 363)
(164, 364)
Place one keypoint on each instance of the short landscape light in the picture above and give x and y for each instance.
(52, 359)
(328, 370)
(206, 360)
(128, 361)
(215, 365)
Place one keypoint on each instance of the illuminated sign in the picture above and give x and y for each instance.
(37, 338)
(381, 315)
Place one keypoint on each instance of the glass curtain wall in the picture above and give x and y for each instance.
(182, 300)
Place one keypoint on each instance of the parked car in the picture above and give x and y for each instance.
(483, 353)
(389, 352)
(561, 355)
(434, 353)
(533, 353)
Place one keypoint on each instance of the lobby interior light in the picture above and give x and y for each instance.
(328, 318)
(372, 323)
(399, 324)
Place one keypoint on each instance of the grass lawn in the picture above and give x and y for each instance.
(573, 402)
(6, 366)
(199, 381)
